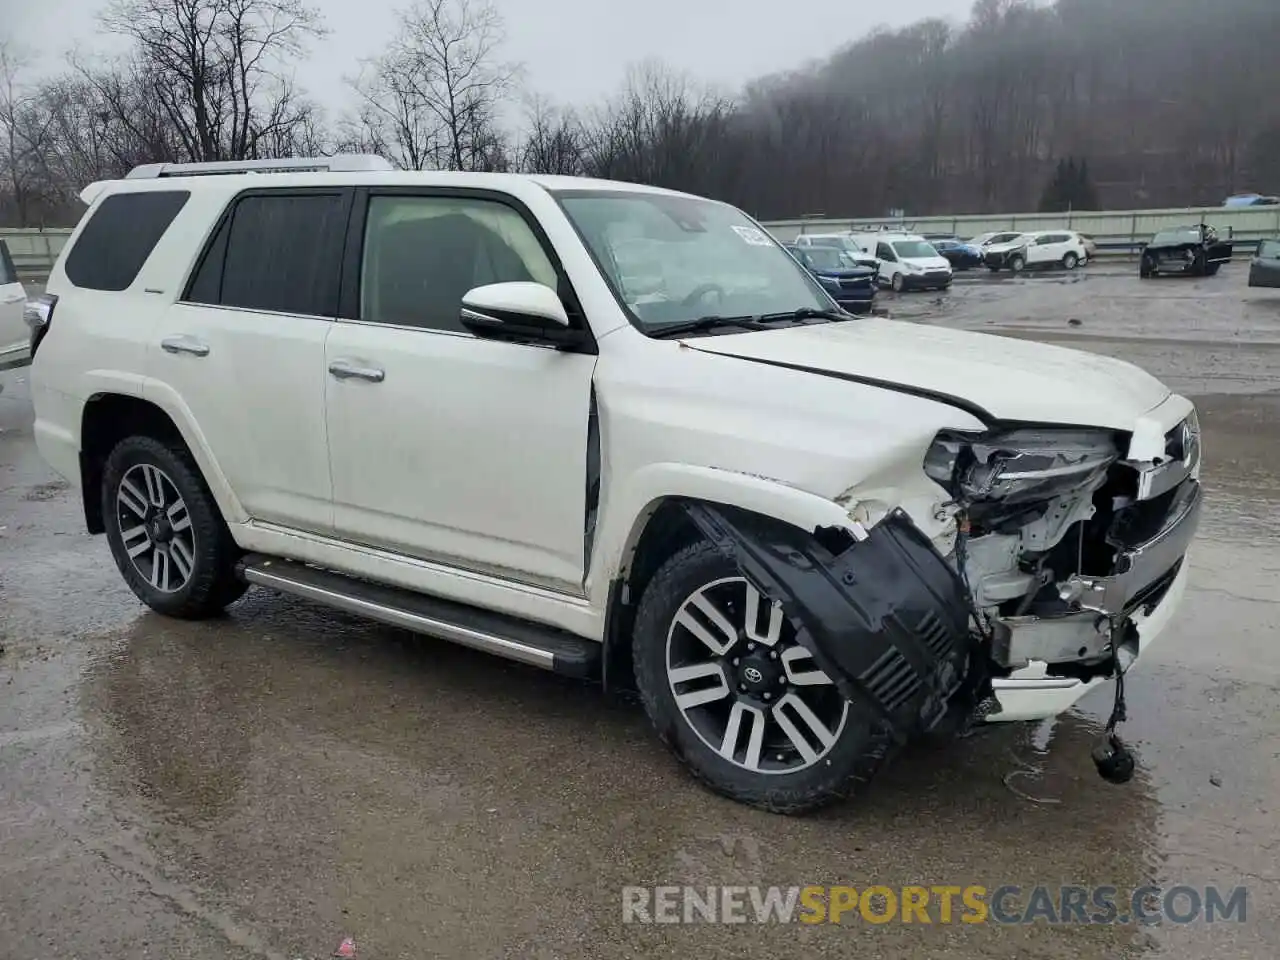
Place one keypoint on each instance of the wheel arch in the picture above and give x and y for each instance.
(107, 418)
(659, 526)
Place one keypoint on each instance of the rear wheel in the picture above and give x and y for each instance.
(165, 531)
(737, 698)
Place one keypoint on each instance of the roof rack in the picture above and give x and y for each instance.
(340, 163)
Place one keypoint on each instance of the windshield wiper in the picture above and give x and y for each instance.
(702, 324)
(759, 321)
(806, 313)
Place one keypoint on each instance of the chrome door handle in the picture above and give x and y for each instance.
(185, 344)
(347, 370)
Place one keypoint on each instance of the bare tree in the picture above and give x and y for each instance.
(24, 127)
(218, 68)
(554, 140)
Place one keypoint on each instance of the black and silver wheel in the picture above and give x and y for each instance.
(738, 699)
(1070, 261)
(165, 531)
(1017, 263)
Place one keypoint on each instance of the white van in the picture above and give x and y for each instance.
(907, 261)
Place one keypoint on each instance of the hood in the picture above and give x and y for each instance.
(1008, 379)
(1007, 247)
(928, 263)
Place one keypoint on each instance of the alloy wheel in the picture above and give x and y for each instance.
(745, 686)
(155, 527)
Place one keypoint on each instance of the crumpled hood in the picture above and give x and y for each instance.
(1009, 379)
(1005, 247)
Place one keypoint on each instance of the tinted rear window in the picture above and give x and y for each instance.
(119, 237)
(275, 252)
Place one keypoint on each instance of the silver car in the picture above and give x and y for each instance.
(1264, 270)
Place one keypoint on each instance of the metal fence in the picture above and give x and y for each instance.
(34, 250)
(1119, 231)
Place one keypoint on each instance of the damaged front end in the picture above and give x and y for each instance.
(883, 614)
(1062, 542)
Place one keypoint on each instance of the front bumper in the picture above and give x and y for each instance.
(924, 281)
(1143, 592)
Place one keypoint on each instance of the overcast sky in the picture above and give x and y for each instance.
(571, 50)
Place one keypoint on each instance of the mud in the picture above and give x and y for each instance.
(263, 785)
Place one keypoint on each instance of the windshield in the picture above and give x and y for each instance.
(827, 258)
(913, 248)
(1181, 235)
(673, 259)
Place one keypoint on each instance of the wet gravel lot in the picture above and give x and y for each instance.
(265, 785)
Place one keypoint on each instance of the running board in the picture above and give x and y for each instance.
(496, 633)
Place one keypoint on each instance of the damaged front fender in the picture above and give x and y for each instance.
(885, 617)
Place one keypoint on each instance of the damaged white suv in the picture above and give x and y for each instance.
(612, 431)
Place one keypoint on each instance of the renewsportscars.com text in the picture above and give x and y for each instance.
(971, 904)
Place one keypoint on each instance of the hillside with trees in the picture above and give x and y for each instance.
(1160, 102)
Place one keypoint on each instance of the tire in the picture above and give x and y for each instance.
(779, 778)
(1147, 268)
(994, 268)
(156, 504)
(1212, 269)
(1070, 261)
(1016, 264)
(898, 282)
(1200, 266)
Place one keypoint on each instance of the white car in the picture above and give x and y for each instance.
(907, 261)
(1045, 248)
(428, 399)
(13, 298)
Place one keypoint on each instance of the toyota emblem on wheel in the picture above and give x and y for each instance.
(752, 675)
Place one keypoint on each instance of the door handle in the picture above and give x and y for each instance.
(185, 344)
(347, 370)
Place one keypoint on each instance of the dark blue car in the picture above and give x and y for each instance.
(851, 284)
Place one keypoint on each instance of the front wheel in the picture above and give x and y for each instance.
(1148, 267)
(165, 531)
(737, 698)
(1016, 264)
(898, 282)
(1070, 261)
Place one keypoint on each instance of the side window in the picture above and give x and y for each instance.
(422, 254)
(1270, 249)
(120, 235)
(884, 252)
(278, 252)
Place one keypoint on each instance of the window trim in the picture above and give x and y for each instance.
(7, 265)
(224, 219)
(353, 257)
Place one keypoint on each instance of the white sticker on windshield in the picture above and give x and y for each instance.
(752, 236)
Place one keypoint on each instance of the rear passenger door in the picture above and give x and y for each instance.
(445, 446)
(244, 349)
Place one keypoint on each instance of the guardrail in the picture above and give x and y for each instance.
(1120, 231)
(34, 249)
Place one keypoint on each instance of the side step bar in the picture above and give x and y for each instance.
(495, 633)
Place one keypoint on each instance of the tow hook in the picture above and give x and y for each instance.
(1114, 760)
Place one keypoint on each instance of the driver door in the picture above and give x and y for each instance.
(888, 263)
(444, 446)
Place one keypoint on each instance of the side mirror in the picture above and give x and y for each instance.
(519, 311)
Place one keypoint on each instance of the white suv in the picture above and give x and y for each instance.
(443, 401)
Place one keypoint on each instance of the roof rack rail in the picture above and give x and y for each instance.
(339, 163)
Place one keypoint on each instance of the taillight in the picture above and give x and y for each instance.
(38, 314)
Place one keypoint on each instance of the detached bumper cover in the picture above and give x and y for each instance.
(885, 618)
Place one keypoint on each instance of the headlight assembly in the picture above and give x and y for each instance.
(1019, 466)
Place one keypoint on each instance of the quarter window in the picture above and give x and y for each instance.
(422, 254)
(120, 235)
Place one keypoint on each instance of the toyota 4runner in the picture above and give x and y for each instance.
(611, 431)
